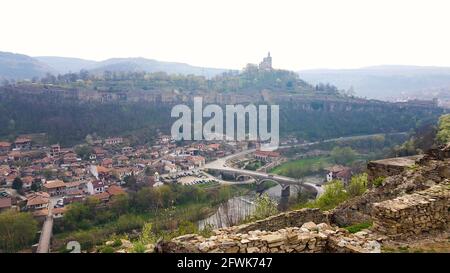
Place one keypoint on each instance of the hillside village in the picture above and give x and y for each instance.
(36, 178)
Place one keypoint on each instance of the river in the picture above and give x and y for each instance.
(238, 208)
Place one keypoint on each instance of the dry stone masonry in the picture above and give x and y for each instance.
(413, 214)
(309, 238)
(390, 166)
(294, 218)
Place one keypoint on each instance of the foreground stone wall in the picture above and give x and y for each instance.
(295, 218)
(413, 214)
(425, 171)
(309, 238)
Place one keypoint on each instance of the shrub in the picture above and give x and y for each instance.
(357, 185)
(207, 231)
(116, 243)
(333, 195)
(443, 134)
(265, 207)
(138, 247)
(378, 181)
(107, 249)
(128, 222)
(358, 227)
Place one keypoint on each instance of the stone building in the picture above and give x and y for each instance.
(266, 64)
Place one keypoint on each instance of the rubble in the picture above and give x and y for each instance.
(310, 238)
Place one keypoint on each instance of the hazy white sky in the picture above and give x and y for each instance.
(230, 33)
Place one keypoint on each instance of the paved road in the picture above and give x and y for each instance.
(46, 234)
(47, 228)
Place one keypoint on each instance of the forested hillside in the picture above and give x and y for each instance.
(68, 121)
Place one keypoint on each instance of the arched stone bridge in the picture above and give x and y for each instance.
(259, 177)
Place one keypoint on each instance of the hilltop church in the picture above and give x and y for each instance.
(266, 64)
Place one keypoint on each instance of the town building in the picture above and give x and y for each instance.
(338, 172)
(37, 200)
(55, 187)
(266, 156)
(22, 143)
(5, 203)
(5, 147)
(113, 141)
(58, 212)
(126, 150)
(95, 187)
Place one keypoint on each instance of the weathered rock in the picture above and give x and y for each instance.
(126, 243)
(309, 226)
(252, 250)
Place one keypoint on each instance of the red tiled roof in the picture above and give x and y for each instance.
(41, 212)
(27, 180)
(102, 196)
(196, 158)
(73, 184)
(214, 146)
(75, 192)
(4, 144)
(5, 202)
(58, 210)
(53, 184)
(37, 198)
(335, 168)
(101, 169)
(115, 190)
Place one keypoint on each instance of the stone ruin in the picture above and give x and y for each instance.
(282, 233)
(413, 214)
(389, 167)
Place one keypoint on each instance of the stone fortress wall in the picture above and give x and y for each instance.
(413, 214)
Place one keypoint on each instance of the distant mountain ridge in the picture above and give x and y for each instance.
(150, 65)
(19, 66)
(65, 64)
(386, 81)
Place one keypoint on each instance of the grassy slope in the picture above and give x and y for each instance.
(306, 164)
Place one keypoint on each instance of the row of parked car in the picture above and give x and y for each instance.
(195, 173)
(197, 182)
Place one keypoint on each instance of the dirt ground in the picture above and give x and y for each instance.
(432, 243)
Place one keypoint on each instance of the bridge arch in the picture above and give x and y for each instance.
(245, 177)
(261, 181)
